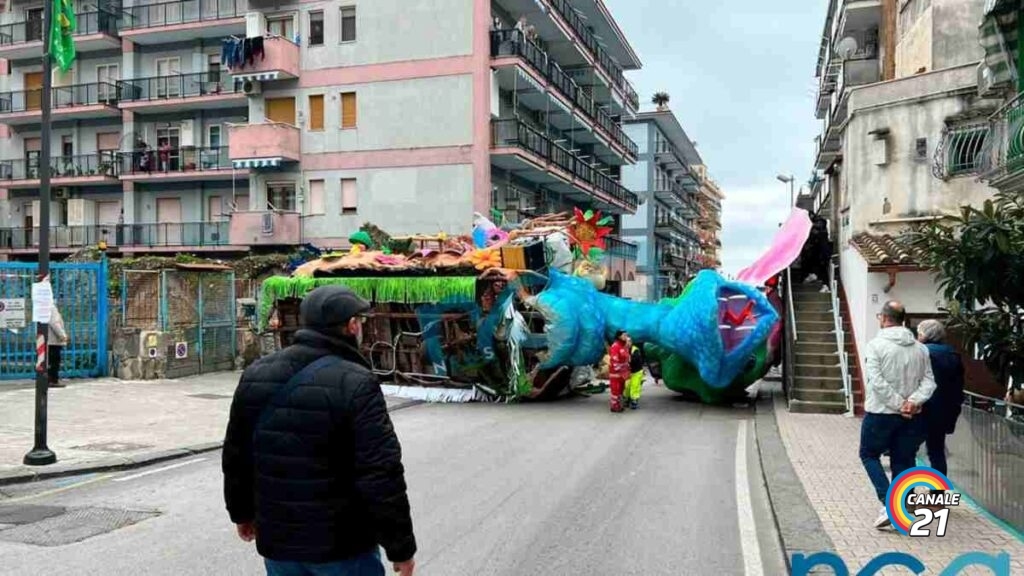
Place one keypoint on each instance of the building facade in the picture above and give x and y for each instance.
(904, 140)
(709, 220)
(664, 227)
(233, 125)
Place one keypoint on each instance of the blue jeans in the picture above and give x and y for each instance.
(368, 564)
(892, 432)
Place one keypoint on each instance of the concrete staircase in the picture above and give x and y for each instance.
(818, 382)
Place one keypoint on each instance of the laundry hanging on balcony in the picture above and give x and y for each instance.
(236, 53)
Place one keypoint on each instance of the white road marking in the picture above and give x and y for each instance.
(155, 470)
(745, 510)
(56, 491)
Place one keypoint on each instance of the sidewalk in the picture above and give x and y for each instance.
(823, 450)
(107, 423)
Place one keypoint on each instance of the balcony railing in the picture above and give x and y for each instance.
(180, 12)
(84, 165)
(960, 151)
(1004, 153)
(519, 134)
(614, 71)
(513, 43)
(88, 23)
(61, 96)
(192, 234)
(175, 160)
(179, 86)
(619, 248)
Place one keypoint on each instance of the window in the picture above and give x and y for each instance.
(107, 76)
(964, 150)
(215, 209)
(316, 112)
(213, 68)
(213, 136)
(67, 146)
(167, 83)
(316, 197)
(349, 201)
(316, 28)
(348, 24)
(283, 26)
(348, 110)
(281, 196)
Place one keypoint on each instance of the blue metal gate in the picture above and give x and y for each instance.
(80, 293)
(197, 312)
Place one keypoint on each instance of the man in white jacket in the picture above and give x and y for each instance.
(898, 382)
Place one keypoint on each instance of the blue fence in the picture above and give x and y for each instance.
(80, 293)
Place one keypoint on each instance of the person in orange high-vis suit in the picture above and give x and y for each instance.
(618, 372)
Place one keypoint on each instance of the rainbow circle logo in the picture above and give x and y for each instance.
(903, 485)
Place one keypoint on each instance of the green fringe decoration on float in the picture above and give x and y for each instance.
(408, 290)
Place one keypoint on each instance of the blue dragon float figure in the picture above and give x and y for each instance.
(714, 340)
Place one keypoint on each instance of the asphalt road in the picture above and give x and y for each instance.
(561, 488)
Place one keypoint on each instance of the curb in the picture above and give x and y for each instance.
(113, 464)
(797, 523)
(121, 463)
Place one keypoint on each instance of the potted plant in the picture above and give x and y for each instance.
(661, 99)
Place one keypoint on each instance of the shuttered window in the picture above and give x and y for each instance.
(349, 202)
(316, 197)
(348, 110)
(316, 112)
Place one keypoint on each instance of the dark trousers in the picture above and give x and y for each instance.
(936, 445)
(892, 432)
(53, 370)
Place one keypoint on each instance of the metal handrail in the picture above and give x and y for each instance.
(837, 319)
(791, 316)
(970, 397)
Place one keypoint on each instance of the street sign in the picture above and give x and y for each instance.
(181, 350)
(12, 313)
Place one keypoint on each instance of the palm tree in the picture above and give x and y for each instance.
(661, 99)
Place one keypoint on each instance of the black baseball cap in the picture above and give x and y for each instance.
(330, 306)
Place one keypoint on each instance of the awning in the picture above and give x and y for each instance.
(256, 76)
(998, 37)
(253, 163)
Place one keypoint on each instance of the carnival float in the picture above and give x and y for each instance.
(519, 313)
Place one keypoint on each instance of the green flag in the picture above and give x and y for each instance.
(62, 43)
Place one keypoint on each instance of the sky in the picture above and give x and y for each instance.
(741, 77)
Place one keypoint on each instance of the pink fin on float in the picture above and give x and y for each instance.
(785, 249)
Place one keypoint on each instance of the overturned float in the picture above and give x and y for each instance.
(523, 312)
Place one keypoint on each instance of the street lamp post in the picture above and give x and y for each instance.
(41, 455)
(789, 180)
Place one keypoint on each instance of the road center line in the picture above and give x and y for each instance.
(744, 508)
(155, 470)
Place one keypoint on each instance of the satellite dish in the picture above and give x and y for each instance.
(846, 48)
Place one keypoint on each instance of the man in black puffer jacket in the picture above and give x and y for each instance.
(312, 466)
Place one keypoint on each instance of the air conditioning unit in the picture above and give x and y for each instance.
(251, 87)
(60, 193)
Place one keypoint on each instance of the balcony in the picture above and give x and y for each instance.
(181, 20)
(267, 228)
(281, 62)
(178, 165)
(265, 145)
(82, 170)
(1003, 167)
(96, 30)
(619, 248)
(675, 261)
(127, 237)
(182, 92)
(75, 102)
(604, 62)
(518, 148)
(511, 43)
